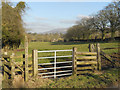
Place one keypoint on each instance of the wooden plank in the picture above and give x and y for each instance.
(86, 53)
(86, 62)
(87, 57)
(17, 69)
(21, 63)
(22, 56)
(6, 56)
(106, 56)
(6, 69)
(86, 67)
(7, 63)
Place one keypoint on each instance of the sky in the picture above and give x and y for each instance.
(45, 16)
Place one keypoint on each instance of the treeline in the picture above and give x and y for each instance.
(51, 37)
(104, 24)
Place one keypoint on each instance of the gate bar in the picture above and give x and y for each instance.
(57, 75)
(55, 50)
(56, 63)
(53, 72)
(54, 57)
(56, 67)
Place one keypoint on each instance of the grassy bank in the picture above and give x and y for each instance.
(106, 78)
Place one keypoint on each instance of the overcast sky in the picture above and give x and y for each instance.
(45, 16)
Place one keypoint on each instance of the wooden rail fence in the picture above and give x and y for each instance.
(83, 62)
(114, 58)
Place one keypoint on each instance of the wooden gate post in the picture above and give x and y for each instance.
(74, 64)
(26, 59)
(12, 66)
(35, 63)
(98, 56)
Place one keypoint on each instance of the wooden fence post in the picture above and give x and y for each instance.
(35, 63)
(74, 64)
(12, 66)
(91, 48)
(98, 56)
(26, 59)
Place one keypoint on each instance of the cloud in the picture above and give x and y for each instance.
(42, 24)
(82, 16)
(38, 26)
(73, 21)
(41, 18)
(68, 21)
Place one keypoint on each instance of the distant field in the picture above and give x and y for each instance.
(66, 45)
(83, 47)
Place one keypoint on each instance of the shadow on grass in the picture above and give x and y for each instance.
(109, 77)
(79, 42)
(69, 43)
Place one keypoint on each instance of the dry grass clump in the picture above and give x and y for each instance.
(37, 83)
(18, 82)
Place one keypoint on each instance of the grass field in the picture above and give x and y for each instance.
(82, 47)
(66, 45)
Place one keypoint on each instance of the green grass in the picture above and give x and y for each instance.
(67, 45)
(82, 47)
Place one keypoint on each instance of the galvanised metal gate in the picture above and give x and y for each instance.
(55, 72)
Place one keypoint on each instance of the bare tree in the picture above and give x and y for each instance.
(112, 14)
(100, 23)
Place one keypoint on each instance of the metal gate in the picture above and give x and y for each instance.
(64, 68)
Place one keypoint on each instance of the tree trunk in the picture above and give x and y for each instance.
(83, 36)
(113, 35)
(103, 35)
(89, 36)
